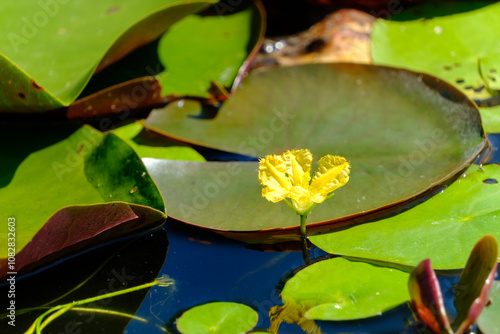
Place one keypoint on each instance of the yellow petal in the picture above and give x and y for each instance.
(333, 172)
(274, 194)
(272, 174)
(298, 164)
(273, 167)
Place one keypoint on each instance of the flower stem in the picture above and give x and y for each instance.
(303, 237)
(303, 231)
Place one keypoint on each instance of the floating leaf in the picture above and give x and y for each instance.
(491, 119)
(120, 99)
(150, 144)
(444, 228)
(50, 49)
(51, 167)
(475, 282)
(209, 47)
(389, 166)
(339, 289)
(76, 227)
(427, 299)
(198, 53)
(488, 320)
(217, 317)
(461, 48)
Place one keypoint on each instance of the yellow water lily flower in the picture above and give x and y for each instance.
(288, 175)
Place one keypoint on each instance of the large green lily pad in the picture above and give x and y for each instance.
(49, 49)
(444, 228)
(400, 134)
(339, 289)
(461, 48)
(50, 167)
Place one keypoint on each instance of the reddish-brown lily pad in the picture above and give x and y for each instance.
(77, 227)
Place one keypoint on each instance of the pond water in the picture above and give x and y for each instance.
(202, 267)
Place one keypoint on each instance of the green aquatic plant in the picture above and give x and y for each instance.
(53, 313)
(471, 291)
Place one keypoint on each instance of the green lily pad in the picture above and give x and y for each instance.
(339, 289)
(149, 144)
(488, 319)
(401, 136)
(51, 48)
(461, 48)
(208, 48)
(218, 317)
(444, 228)
(491, 119)
(50, 167)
